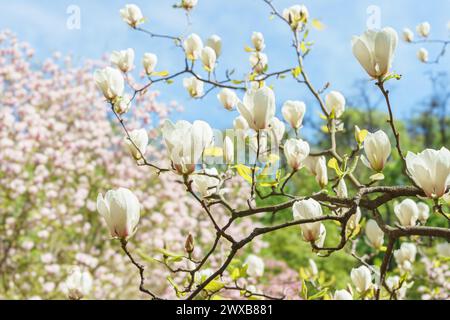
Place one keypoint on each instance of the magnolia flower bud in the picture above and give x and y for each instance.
(375, 235)
(306, 210)
(228, 98)
(215, 42)
(375, 51)
(335, 104)
(194, 86)
(422, 55)
(209, 59)
(277, 130)
(296, 151)
(430, 169)
(122, 104)
(132, 15)
(193, 46)
(124, 60)
(408, 35)
(258, 62)
(342, 295)
(188, 4)
(294, 112)
(111, 82)
(318, 167)
(407, 213)
(405, 256)
(255, 266)
(206, 184)
(443, 249)
(378, 149)
(189, 244)
(121, 210)
(137, 143)
(361, 278)
(360, 135)
(354, 220)
(149, 62)
(241, 127)
(203, 275)
(78, 284)
(341, 190)
(258, 107)
(258, 41)
(296, 15)
(424, 212)
(423, 29)
(228, 150)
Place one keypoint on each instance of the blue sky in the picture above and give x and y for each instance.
(43, 24)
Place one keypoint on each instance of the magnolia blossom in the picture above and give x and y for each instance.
(296, 151)
(258, 61)
(405, 256)
(124, 60)
(137, 143)
(209, 59)
(423, 29)
(258, 107)
(277, 130)
(318, 167)
(375, 51)
(228, 98)
(78, 284)
(294, 112)
(255, 266)
(258, 41)
(228, 150)
(203, 275)
(408, 35)
(407, 213)
(342, 295)
(215, 42)
(378, 149)
(149, 62)
(422, 55)
(193, 46)
(296, 15)
(443, 249)
(375, 236)
(111, 82)
(188, 4)
(395, 284)
(206, 184)
(341, 190)
(186, 142)
(430, 169)
(424, 212)
(354, 220)
(122, 104)
(361, 278)
(194, 86)
(241, 127)
(335, 104)
(132, 15)
(306, 210)
(121, 210)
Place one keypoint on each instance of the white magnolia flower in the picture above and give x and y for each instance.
(341, 190)
(149, 62)
(296, 15)
(335, 104)
(375, 51)
(361, 278)
(194, 86)
(405, 256)
(111, 82)
(139, 139)
(277, 129)
(443, 249)
(228, 150)
(375, 236)
(203, 275)
(241, 127)
(78, 284)
(188, 4)
(209, 59)
(206, 184)
(122, 104)
(422, 55)
(132, 15)
(255, 266)
(408, 35)
(395, 284)
(424, 212)
(296, 151)
(378, 149)
(121, 210)
(430, 169)
(318, 167)
(124, 60)
(258, 61)
(354, 220)
(342, 295)
(258, 41)
(215, 42)
(306, 210)
(258, 107)
(186, 142)
(294, 112)
(407, 213)
(228, 98)
(423, 29)
(193, 46)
